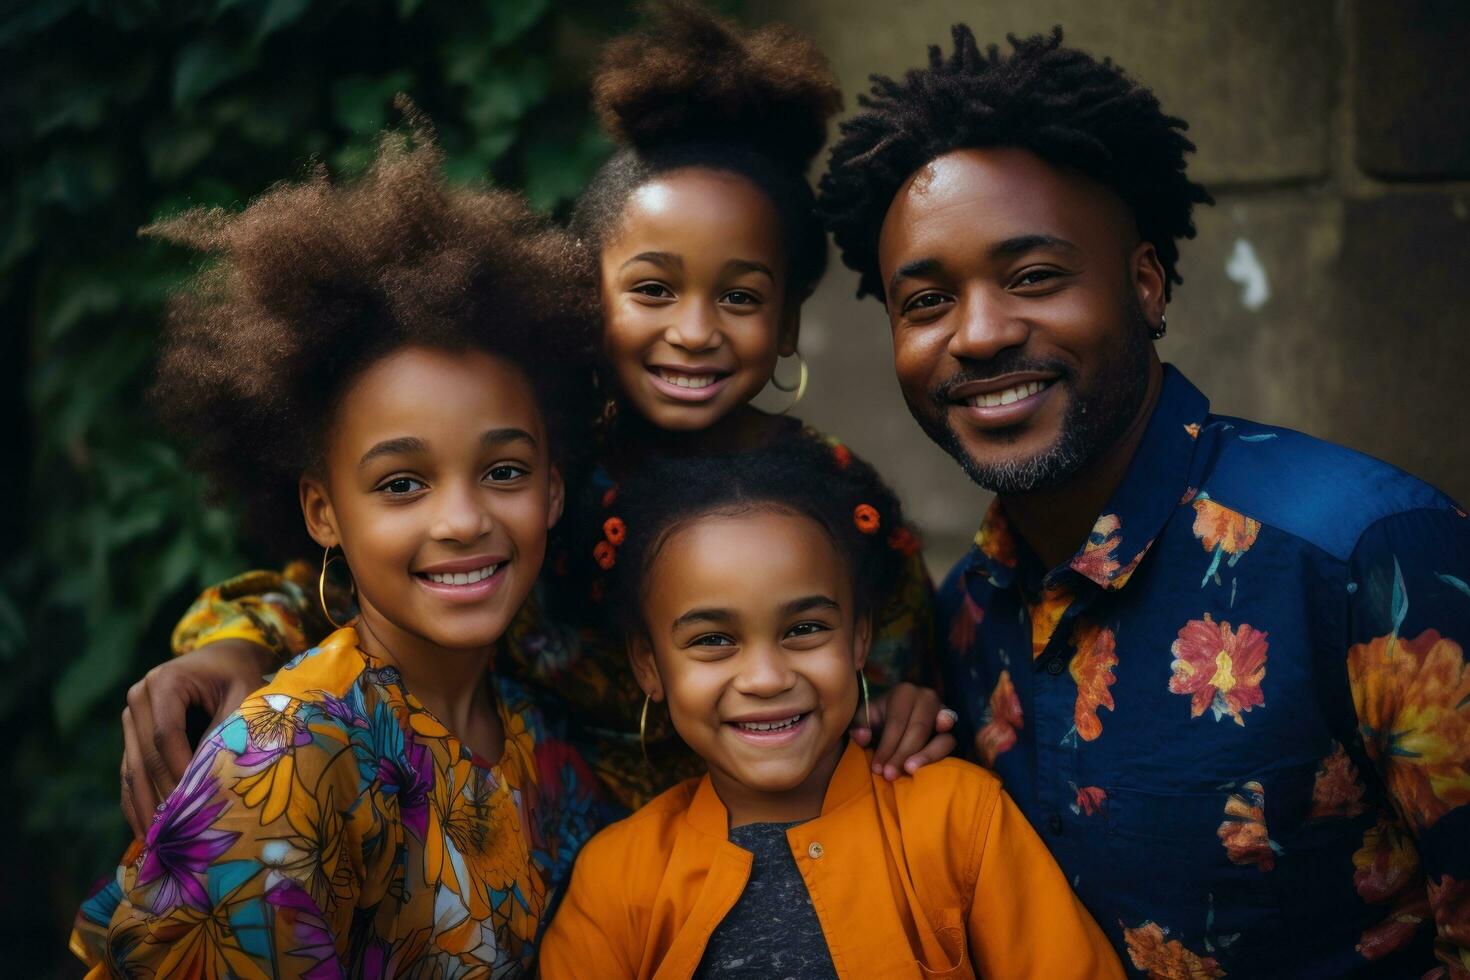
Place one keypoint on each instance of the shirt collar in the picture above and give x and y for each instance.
(851, 778)
(1152, 487)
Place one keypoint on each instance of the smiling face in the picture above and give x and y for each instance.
(694, 297)
(437, 485)
(754, 641)
(1020, 300)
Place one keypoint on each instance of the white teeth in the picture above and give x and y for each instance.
(992, 399)
(687, 380)
(463, 578)
(770, 726)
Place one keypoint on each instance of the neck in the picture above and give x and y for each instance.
(635, 440)
(747, 805)
(452, 684)
(1055, 522)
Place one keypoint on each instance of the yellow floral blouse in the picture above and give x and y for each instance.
(333, 827)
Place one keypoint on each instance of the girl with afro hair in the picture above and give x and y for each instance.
(399, 363)
(703, 229)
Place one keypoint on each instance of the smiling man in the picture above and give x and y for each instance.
(1219, 665)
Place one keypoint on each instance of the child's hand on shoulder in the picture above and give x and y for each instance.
(912, 726)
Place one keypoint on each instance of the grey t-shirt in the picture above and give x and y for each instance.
(772, 933)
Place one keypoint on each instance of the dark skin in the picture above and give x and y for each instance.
(995, 259)
(695, 278)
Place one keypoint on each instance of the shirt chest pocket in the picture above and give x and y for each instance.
(1198, 864)
(951, 961)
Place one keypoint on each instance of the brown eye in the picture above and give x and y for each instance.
(653, 290)
(400, 486)
(740, 297)
(925, 301)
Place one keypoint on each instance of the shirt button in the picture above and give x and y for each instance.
(1054, 824)
(814, 850)
(1055, 667)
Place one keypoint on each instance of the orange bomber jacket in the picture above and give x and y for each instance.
(935, 875)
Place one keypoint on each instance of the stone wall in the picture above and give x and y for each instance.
(1329, 288)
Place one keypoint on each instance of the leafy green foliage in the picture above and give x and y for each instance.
(114, 115)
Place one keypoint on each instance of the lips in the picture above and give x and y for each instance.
(771, 731)
(1004, 401)
(685, 384)
(464, 580)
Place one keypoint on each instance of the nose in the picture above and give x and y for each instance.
(461, 515)
(696, 327)
(986, 325)
(764, 672)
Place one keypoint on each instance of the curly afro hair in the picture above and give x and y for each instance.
(315, 281)
(803, 475)
(694, 90)
(1057, 102)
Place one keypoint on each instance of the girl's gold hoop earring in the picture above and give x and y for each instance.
(799, 387)
(643, 728)
(867, 711)
(321, 584)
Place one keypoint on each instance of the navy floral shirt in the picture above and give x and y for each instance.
(1240, 714)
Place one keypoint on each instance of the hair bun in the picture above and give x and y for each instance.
(689, 75)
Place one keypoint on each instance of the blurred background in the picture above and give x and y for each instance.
(1329, 289)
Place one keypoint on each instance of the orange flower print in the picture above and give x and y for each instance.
(1098, 560)
(1002, 718)
(1397, 930)
(1450, 899)
(1220, 667)
(841, 455)
(1166, 959)
(605, 555)
(1092, 669)
(1090, 800)
(1386, 864)
(865, 516)
(994, 539)
(1244, 831)
(966, 618)
(1046, 614)
(1412, 697)
(1193, 430)
(1223, 533)
(1337, 792)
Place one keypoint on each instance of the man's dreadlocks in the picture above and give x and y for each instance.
(1057, 102)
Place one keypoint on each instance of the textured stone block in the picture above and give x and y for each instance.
(1411, 88)
(1252, 77)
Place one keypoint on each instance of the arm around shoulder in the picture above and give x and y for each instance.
(1025, 920)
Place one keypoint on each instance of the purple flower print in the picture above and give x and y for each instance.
(313, 940)
(182, 843)
(411, 774)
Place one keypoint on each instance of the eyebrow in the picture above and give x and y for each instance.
(808, 603)
(494, 438)
(704, 616)
(749, 265)
(1022, 244)
(667, 260)
(792, 608)
(409, 445)
(402, 446)
(910, 270)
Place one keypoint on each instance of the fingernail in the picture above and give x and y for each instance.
(911, 766)
(951, 713)
(877, 768)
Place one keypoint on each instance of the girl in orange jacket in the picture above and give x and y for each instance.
(746, 585)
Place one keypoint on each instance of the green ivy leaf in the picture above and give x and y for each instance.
(106, 660)
(360, 104)
(279, 13)
(512, 18)
(205, 64)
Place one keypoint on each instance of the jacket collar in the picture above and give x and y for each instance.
(1156, 480)
(852, 778)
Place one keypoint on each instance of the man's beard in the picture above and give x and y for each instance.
(1094, 422)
